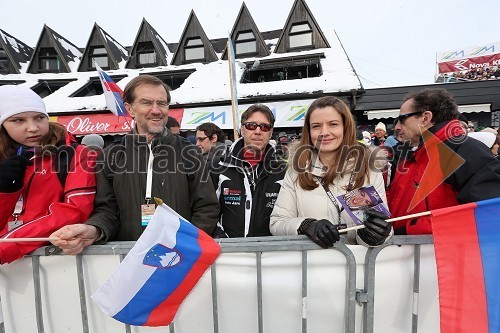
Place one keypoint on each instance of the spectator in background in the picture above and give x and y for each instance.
(470, 127)
(282, 145)
(476, 179)
(93, 141)
(210, 139)
(173, 125)
(380, 134)
(489, 139)
(464, 123)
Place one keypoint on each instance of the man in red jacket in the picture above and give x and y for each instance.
(444, 168)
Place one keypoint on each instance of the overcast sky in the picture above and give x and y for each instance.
(390, 42)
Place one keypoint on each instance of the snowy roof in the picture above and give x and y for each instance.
(209, 83)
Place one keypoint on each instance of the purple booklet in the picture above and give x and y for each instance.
(355, 203)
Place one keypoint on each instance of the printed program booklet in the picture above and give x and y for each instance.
(355, 203)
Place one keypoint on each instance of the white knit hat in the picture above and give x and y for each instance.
(485, 137)
(18, 99)
(381, 125)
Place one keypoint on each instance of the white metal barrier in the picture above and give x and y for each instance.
(271, 284)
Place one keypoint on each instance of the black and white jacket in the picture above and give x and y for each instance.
(246, 194)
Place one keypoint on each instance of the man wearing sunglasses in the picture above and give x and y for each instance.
(449, 167)
(210, 139)
(248, 178)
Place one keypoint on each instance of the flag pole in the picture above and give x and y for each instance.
(388, 220)
(232, 83)
(28, 239)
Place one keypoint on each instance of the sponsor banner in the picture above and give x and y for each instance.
(287, 114)
(471, 52)
(469, 63)
(102, 123)
(95, 123)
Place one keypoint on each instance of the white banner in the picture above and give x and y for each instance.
(287, 114)
(470, 52)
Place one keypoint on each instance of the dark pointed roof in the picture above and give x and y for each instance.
(17, 52)
(300, 12)
(99, 37)
(192, 29)
(245, 22)
(66, 50)
(147, 33)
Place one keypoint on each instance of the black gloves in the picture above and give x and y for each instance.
(12, 172)
(376, 228)
(321, 232)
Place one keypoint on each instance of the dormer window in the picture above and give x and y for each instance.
(4, 62)
(300, 35)
(245, 43)
(194, 49)
(146, 54)
(48, 61)
(99, 56)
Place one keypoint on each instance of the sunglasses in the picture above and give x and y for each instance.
(402, 117)
(253, 126)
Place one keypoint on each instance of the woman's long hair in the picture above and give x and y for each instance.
(351, 156)
(54, 137)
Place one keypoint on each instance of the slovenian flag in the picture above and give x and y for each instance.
(467, 247)
(112, 93)
(158, 273)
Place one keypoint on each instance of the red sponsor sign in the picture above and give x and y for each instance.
(469, 63)
(103, 123)
(95, 123)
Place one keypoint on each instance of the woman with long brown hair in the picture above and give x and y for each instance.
(46, 179)
(329, 162)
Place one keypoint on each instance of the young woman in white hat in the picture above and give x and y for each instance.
(46, 179)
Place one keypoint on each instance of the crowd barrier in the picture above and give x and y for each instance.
(268, 284)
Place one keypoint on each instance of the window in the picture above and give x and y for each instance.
(245, 43)
(4, 62)
(146, 54)
(94, 87)
(294, 68)
(99, 56)
(49, 61)
(300, 35)
(194, 49)
(174, 79)
(46, 87)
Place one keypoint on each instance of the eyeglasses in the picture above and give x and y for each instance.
(470, 126)
(148, 104)
(200, 139)
(252, 126)
(402, 117)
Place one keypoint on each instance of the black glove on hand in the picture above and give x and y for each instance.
(321, 232)
(376, 228)
(12, 172)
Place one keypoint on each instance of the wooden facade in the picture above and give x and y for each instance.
(300, 13)
(147, 39)
(194, 30)
(244, 22)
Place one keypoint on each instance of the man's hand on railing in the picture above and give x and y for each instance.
(321, 232)
(73, 238)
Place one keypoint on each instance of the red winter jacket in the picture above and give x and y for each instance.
(47, 204)
(476, 179)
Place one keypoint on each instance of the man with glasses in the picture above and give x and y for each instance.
(150, 162)
(210, 139)
(248, 178)
(444, 167)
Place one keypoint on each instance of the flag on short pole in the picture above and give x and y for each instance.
(467, 247)
(158, 273)
(112, 93)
